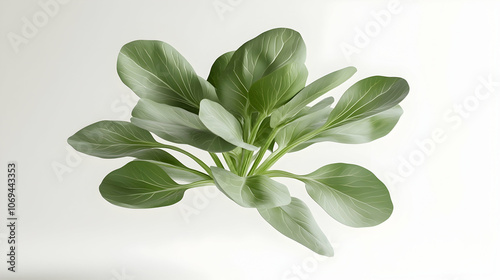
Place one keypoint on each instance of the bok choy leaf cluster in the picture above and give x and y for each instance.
(253, 108)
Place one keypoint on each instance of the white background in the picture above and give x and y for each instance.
(446, 219)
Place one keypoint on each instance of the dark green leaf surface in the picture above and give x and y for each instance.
(368, 97)
(156, 71)
(112, 139)
(350, 194)
(218, 68)
(310, 93)
(254, 191)
(208, 90)
(141, 184)
(278, 87)
(177, 125)
(296, 222)
(219, 121)
(255, 59)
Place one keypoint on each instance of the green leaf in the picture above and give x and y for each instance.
(327, 102)
(312, 119)
(310, 93)
(177, 125)
(278, 87)
(296, 222)
(253, 97)
(112, 139)
(141, 184)
(350, 194)
(156, 71)
(368, 97)
(173, 167)
(254, 191)
(222, 123)
(208, 90)
(218, 68)
(358, 132)
(255, 59)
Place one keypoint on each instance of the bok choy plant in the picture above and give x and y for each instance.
(250, 111)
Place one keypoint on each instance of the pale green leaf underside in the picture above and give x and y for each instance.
(326, 102)
(350, 194)
(310, 93)
(112, 139)
(254, 191)
(177, 125)
(365, 130)
(368, 97)
(358, 132)
(222, 123)
(311, 119)
(295, 221)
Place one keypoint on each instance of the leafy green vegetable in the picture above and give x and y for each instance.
(277, 88)
(112, 139)
(255, 59)
(155, 70)
(177, 125)
(295, 220)
(256, 191)
(350, 194)
(141, 184)
(311, 93)
(358, 132)
(172, 166)
(218, 68)
(253, 109)
(311, 120)
(223, 124)
(368, 97)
